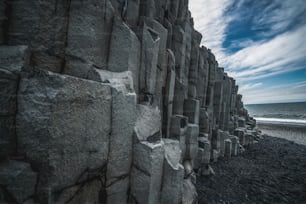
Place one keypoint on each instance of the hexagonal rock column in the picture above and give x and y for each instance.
(192, 110)
(223, 136)
(173, 173)
(216, 140)
(147, 170)
(179, 49)
(148, 126)
(228, 148)
(123, 118)
(88, 36)
(161, 72)
(217, 101)
(190, 195)
(215, 155)
(59, 119)
(2, 20)
(132, 12)
(192, 141)
(248, 139)
(179, 96)
(239, 132)
(47, 40)
(124, 54)
(13, 59)
(222, 145)
(205, 144)
(147, 8)
(203, 121)
(169, 94)
(149, 58)
(235, 144)
(241, 122)
(194, 62)
(69, 122)
(178, 129)
(198, 162)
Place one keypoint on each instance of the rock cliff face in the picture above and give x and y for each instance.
(110, 101)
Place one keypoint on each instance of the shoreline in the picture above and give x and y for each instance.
(281, 122)
(270, 171)
(296, 134)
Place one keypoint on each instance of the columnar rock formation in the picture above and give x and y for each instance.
(110, 101)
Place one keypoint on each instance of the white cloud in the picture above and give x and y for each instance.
(256, 59)
(266, 57)
(248, 87)
(279, 15)
(209, 19)
(281, 93)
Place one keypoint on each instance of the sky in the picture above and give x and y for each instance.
(261, 43)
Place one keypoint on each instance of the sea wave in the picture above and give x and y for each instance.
(281, 121)
(282, 116)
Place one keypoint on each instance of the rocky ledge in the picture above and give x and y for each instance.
(111, 101)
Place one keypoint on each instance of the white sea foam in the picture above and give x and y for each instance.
(281, 121)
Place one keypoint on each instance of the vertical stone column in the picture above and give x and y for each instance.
(124, 54)
(147, 170)
(3, 19)
(169, 94)
(194, 65)
(161, 71)
(178, 131)
(13, 59)
(148, 8)
(228, 148)
(202, 76)
(173, 173)
(149, 56)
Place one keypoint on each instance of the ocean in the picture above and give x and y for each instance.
(284, 120)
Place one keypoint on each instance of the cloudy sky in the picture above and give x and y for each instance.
(262, 44)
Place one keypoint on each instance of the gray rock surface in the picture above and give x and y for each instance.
(172, 186)
(192, 141)
(228, 148)
(149, 58)
(123, 117)
(13, 59)
(44, 31)
(18, 179)
(189, 192)
(66, 121)
(124, 54)
(169, 94)
(88, 36)
(205, 144)
(146, 176)
(3, 19)
(148, 123)
(192, 110)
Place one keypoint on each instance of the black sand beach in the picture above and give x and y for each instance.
(271, 171)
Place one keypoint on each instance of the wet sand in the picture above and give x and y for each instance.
(295, 133)
(271, 171)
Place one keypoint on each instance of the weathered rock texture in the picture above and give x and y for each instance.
(110, 101)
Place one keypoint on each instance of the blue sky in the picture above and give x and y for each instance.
(262, 44)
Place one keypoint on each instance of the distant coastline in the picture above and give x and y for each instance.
(250, 104)
(281, 122)
(287, 113)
